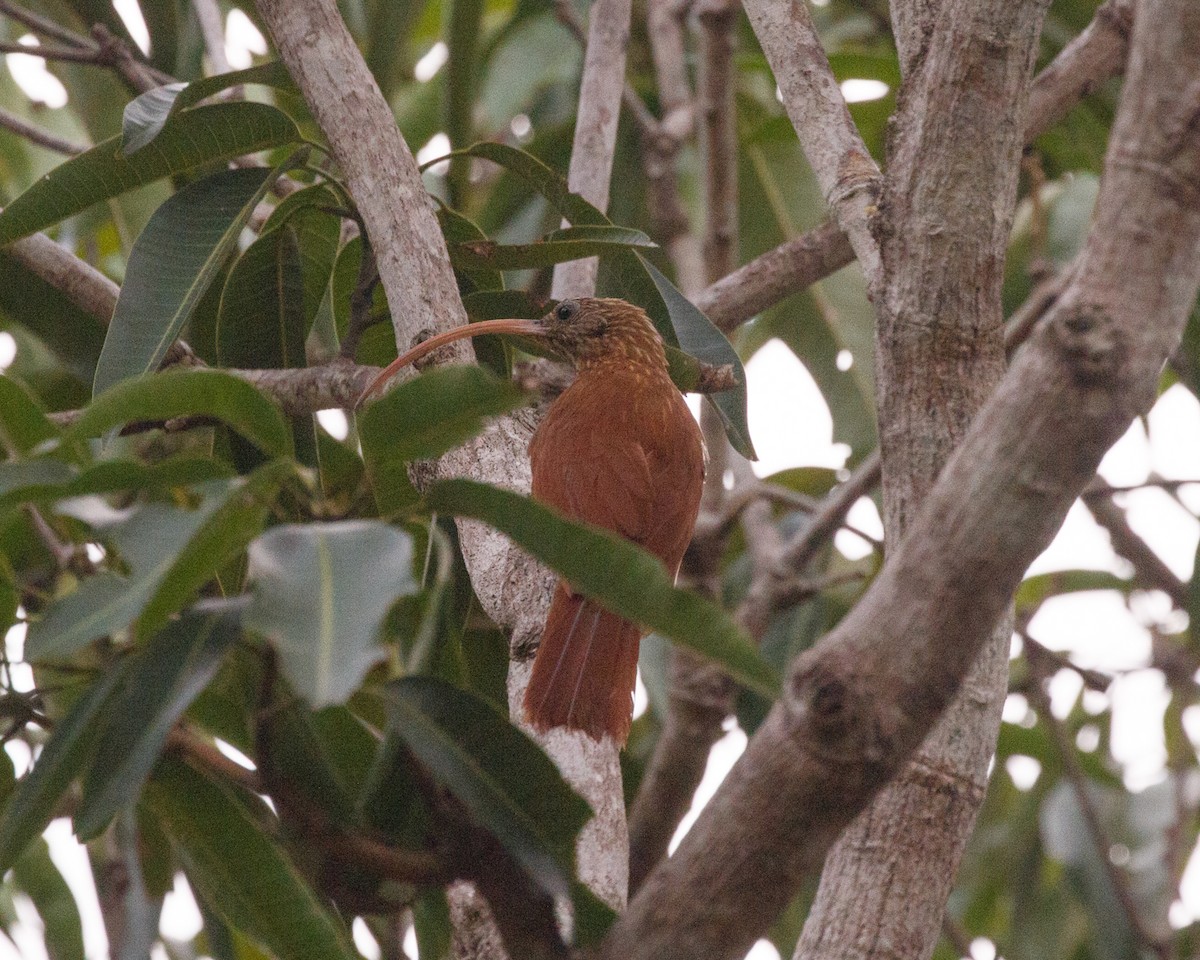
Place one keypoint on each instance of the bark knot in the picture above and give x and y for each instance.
(1090, 343)
(826, 699)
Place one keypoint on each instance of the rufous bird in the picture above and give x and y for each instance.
(618, 449)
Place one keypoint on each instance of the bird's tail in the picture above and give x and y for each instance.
(585, 669)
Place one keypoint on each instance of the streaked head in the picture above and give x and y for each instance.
(588, 331)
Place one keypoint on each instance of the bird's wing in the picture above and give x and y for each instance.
(599, 479)
(614, 472)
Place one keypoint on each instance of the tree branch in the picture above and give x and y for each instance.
(1097, 54)
(865, 697)
(596, 129)
(848, 177)
(35, 134)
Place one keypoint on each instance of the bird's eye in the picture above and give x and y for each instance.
(564, 311)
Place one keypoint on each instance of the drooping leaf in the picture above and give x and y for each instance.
(426, 416)
(198, 137)
(147, 115)
(32, 805)
(675, 317)
(46, 480)
(178, 393)
(159, 684)
(36, 875)
(507, 784)
(261, 323)
(175, 258)
(623, 577)
(318, 231)
(321, 591)
(702, 340)
(239, 869)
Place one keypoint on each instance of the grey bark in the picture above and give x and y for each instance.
(939, 353)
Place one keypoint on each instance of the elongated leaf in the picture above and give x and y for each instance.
(200, 136)
(36, 875)
(317, 235)
(570, 243)
(222, 538)
(28, 301)
(623, 577)
(321, 591)
(239, 869)
(49, 480)
(147, 115)
(159, 685)
(505, 781)
(261, 323)
(61, 760)
(425, 417)
(172, 263)
(152, 540)
(177, 393)
(23, 423)
(700, 338)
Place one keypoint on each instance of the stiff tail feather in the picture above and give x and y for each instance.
(585, 669)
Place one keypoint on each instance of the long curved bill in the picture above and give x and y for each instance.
(519, 327)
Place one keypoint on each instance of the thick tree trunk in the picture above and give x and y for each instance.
(866, 696)
(948, 204)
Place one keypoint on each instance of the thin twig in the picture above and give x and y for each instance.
(69, 54)
(43, 25)
(37, 135)
(1091, 817)
(1149, 569)
(213, 30)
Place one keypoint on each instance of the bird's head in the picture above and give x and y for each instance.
(588, 331)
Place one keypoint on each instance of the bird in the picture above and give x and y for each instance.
(618, 449)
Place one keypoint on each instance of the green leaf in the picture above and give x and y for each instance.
(154, 541)
(32, 805)
(198, 137)
(261, 323)
(424, 417)
(28, 301)
(318, 232)
(147, 115)
(464, 24)
(177, 393)
(1036, 590)
(158, 686)
(172, 263)
(508, 785)
(620, 575)
(221, 539)
(321, 591)
(23, 422)
(36, 876)
(239, 869)
(570, 243)
(698, 337)
(432, 924)
(46, 480)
